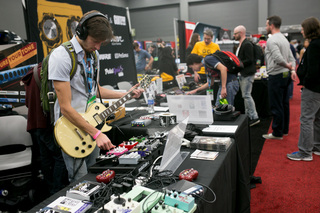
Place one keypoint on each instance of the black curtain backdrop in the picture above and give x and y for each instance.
(182, 40)
(50, 23)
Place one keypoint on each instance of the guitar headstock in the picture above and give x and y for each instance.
(145, 81)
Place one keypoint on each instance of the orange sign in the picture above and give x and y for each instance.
(21, 55)
(4, 63)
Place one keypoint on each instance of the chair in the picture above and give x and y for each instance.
(124, 85)
(14, 136)
(17, 172)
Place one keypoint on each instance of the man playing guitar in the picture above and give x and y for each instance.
(76, 95)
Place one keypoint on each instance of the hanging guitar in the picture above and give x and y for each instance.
(76, 142)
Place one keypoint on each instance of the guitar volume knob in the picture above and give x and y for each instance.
(83, 151)
(84, 143)
(76, 148)
(89, 146)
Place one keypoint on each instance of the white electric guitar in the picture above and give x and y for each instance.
(76, 142)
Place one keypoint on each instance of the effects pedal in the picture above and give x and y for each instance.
(106, 176)
(132, 158)
(187, 187)
(107, 159)
(118, 151)
(142, 150)
(151, 144)
(129, 144)
(140, 122)
(162, 208)
(188, 174)
(85, 190)
(179, 200)
(121, 204)
(138, 138)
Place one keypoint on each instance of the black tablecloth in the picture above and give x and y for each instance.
(259, 94)
(227, 176)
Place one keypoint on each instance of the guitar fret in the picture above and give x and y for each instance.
(104, 114)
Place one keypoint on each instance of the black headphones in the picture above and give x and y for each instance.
(81, 29)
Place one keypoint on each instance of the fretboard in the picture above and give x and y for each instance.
(106, 113)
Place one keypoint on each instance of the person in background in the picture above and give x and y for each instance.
(75, 95)
(294, 53)
(204, 48)
(280, 67)
(309, 76)
(141, 57)
(303, 50)
(194, 39)
(245, 52)
(229, 84)
(168, 68)
(262, 42)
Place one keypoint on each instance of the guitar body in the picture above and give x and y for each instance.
(79, 144)
(74, 141)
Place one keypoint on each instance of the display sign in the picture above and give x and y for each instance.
(50, 23)
(15, 62)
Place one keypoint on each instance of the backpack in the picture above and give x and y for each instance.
(228, 59)
(47, 93)
(258, 55)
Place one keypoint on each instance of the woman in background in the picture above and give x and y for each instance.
(168, 68)
(194, 39)
(309, 75)
(302, 51)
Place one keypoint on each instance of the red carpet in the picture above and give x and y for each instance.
(287, 186)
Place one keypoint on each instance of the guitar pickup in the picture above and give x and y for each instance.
(97, 118)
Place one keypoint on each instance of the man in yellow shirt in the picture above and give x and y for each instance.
(204, 48)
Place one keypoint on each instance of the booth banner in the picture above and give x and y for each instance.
(52, 22)
(200, 27)
(225, 35)
(15, 61)
(189, 28)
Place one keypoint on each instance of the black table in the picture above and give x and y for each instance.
(227, 176)
(223, 176)
(232, 169)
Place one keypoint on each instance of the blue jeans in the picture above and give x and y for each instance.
(279, 103)
(52, 164)
(309, 138)
(80, 164)
(246, 89)
(232, 90)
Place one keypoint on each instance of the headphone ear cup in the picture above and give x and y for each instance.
(81, 32)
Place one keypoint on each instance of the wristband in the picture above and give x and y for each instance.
(97, 134)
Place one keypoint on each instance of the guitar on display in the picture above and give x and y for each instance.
(76, 142)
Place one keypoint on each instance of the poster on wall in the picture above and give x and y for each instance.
(15, 62)
(186, 29)
(52, 22)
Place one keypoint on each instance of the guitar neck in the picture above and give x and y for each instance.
(106, 113)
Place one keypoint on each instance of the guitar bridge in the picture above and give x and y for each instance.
(78, 133)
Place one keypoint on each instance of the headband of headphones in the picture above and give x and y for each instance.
(81, 30)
